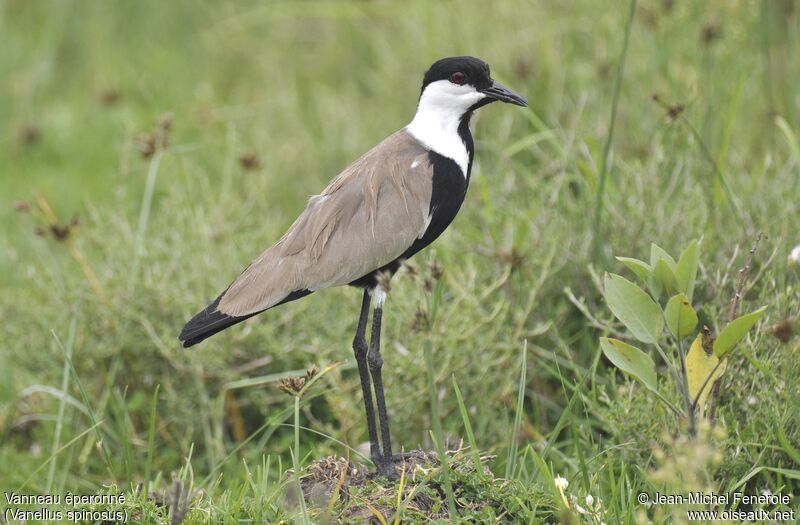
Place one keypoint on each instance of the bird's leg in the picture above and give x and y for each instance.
(360, 351)
(386, 465)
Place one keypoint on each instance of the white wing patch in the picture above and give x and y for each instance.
(425, 227)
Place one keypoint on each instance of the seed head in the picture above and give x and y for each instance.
(30, 134)
(782, 330)
(421, 320)
(410, 269)
(436, 270)
(157, 140)
(294, 384)
(109, 96)
(249, 161)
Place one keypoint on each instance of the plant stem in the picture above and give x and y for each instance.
(713, 395)
(737, 295)
(296, 459)
(512, 447)
(438, 434)
(690, 406)
(606, 161)
(62, 402)
(144, 216)
(668, 403)
(737, 209)
(669, 364)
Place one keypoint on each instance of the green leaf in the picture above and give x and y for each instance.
(686, 269)
(631, 360)
(680, 316)
(735, 332)
(665, 277)
(657, 252)
(631, 305)
(654, 285)
(641, 269)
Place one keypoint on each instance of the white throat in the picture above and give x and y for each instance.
(438, 116)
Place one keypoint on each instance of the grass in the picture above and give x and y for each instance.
(606, 161)
(267, 103)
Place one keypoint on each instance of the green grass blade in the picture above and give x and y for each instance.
(511, 460)
(56, 453)
(437, 433)
(144, 217)
(62, 402)
(605, 165)
(296, 460)
(473, 444)
(151, 435)
(85, 399)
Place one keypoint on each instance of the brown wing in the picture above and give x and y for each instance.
(366, 217)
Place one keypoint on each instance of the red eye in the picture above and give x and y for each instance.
(458, 78)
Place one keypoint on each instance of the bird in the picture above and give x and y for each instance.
(378, 212)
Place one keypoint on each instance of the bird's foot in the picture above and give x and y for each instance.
(402, 456)
(385, 468)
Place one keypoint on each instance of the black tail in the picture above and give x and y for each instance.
(211, 320)
(207, 323)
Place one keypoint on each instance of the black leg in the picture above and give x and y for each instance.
(360, 351)
(386, 465)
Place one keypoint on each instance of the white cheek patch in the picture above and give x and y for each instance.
(438, 116)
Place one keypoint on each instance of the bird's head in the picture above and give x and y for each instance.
(461, 85)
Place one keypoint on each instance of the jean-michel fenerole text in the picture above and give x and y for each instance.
(723, 499)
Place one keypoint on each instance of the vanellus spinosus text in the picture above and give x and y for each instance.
(382, 209)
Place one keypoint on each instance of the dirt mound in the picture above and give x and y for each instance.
(337, 490)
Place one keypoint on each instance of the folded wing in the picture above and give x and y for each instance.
(366, 217)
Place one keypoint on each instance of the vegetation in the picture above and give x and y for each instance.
(152, 149)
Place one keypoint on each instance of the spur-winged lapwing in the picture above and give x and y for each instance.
(381, 210)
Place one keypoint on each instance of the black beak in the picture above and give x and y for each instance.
(499, 92)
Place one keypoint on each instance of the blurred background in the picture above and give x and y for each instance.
(149, 150)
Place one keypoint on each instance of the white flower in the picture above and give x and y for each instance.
(794, 256)
(580, 509)
(561, 483)
(589, 501)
